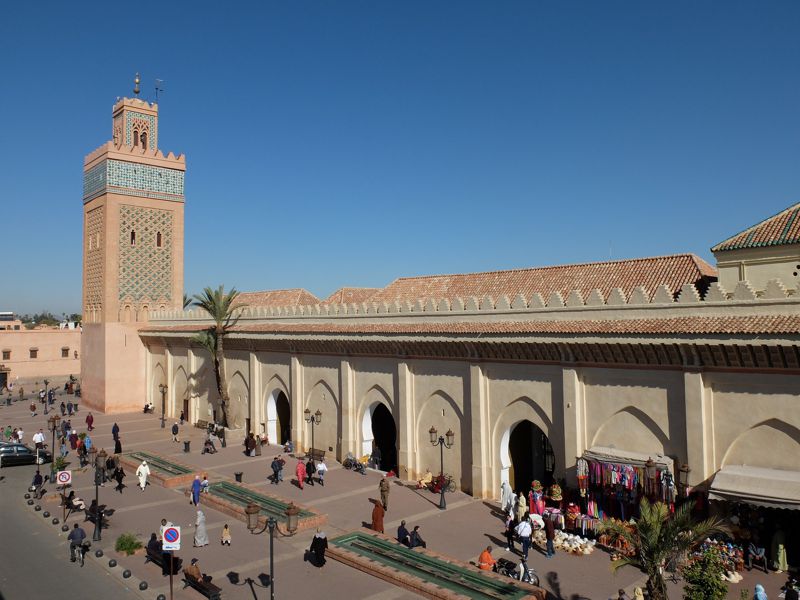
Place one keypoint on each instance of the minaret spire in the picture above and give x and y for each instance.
(136, 82)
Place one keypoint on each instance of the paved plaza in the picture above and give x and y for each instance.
(461, 531)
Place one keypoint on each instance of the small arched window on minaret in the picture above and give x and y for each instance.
(144, 140)
(158, 239)
(135, 137)
(133, 237)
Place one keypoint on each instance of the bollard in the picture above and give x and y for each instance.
(238, 476)
(186, 445)
(143, 585)
(99, 554)
(55, 521)
(37, 508)
(126, 573)
(46, 514)
(112, 563)
(65, 527)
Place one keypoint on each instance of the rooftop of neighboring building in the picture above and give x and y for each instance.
(289, 297)
(778, 230)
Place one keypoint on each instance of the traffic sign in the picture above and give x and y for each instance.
(64, 477)
(172, 538)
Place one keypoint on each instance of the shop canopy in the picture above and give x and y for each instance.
(626, 457)
(772, 488)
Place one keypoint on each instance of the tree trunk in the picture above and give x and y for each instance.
(222, 384)
(657, 587)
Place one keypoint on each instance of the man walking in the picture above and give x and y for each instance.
(310, 470)
(383, 487)
(524, 531)
(38, 439)
(115, 431)
(89, 422)
(322, 468)
(276, 469)
(175, 432)
(550, 535)
(142, 472)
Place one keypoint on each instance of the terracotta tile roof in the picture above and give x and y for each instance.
(291, 297)
(674, 271)
(350, 295)
(714, 325)
(778, 230)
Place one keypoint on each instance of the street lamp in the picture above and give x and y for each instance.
(314, 419)
(438, 440)
(162, 387)
(98, 479)
(46, 383)
(52, 423)
(252, 511)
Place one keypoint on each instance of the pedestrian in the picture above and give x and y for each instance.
(383, 487)
(69, 407)
(38, 439)
(63, 446)
(522, 507)
(280, 471)
(204, 484)
(73, 440)
(524, 531)
(511, 524)
(506, 497)
(87, 441)
(20, 435)
(63, 409)
(622, 595)
(197, 487)
(225, 538)
(142, 472)
(175, 432)
(403, 536)
(200, 534)
(82, 455)
(300, 471)
(183, 417)
(759, 593)
(33, 409)
(550, 535)
(8, 432)
(89, 422)
(486, 561)
(416, 538)
(118, 446)
(75, 537)
(115, 431)
(318, 546)
(377, 516)
(119, 475)
(310, 470)
(275, 465)
(322, 468)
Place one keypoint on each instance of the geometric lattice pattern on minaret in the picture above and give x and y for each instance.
(95, 259)
(145, 268)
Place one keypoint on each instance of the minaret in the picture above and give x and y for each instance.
(132, 252)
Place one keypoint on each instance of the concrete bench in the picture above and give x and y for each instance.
(157, 557)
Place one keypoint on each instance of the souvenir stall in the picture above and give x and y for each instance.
(611, 482)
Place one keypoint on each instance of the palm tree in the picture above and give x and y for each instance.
(221, 309)
(187, 300)
(658, 538)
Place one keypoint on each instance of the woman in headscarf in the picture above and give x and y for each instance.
(377, 516)
(318, 546)
(638, 594)
(522, 507)
(759, 593)
(142, 472)
(200, 534)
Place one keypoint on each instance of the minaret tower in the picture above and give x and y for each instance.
(132, 252)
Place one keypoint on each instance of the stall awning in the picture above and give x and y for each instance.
(773, 488)
(626, 457)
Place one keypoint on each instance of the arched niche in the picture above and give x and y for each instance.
(633, 429)
(772, 444)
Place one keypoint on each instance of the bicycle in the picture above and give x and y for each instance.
(81, 552)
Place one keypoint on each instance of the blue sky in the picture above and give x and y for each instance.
(349, 143)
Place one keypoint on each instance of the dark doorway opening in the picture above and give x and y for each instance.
(283, 413)
(3, 380)
(384, 434)
(531, 455)
(186, 409)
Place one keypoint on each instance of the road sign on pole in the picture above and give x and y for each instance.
(64, 478)
(172, 538)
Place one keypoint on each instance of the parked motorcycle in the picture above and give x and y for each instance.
(519, 571)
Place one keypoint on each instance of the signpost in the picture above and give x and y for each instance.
(171, 542)
(64, 479)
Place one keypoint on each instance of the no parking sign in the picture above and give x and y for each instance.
(64, 478)
(172, 538)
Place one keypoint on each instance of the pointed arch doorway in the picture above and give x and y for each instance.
(278, 418)
(526, 454)
(378, 430)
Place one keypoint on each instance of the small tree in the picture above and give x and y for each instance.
(658, 539)
(703, 577)
(128, 543)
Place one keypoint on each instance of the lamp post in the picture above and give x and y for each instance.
(252, 511)
(314, 419)
(162, 387)
(438, 440)
(53, 422)
(46, 383)
(98, 479)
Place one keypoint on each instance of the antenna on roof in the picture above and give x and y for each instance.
(159, 87)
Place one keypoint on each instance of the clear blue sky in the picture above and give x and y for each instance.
(349, 143)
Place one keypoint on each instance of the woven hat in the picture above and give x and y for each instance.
(536, 485)
(555, 492)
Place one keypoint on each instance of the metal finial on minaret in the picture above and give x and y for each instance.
(136, 82)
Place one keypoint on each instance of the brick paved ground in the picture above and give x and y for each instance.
(461, 531)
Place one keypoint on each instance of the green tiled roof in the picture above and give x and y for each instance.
(778, 230)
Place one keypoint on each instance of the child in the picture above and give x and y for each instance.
(226, 535)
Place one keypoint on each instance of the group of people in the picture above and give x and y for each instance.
(520, 522)
(412, 539)
(305, 472)
(12, 435)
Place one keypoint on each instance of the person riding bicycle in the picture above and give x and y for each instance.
(76, 537)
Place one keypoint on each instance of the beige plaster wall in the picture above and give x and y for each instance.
(49, 363)
(321, 387)
(759, 265)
